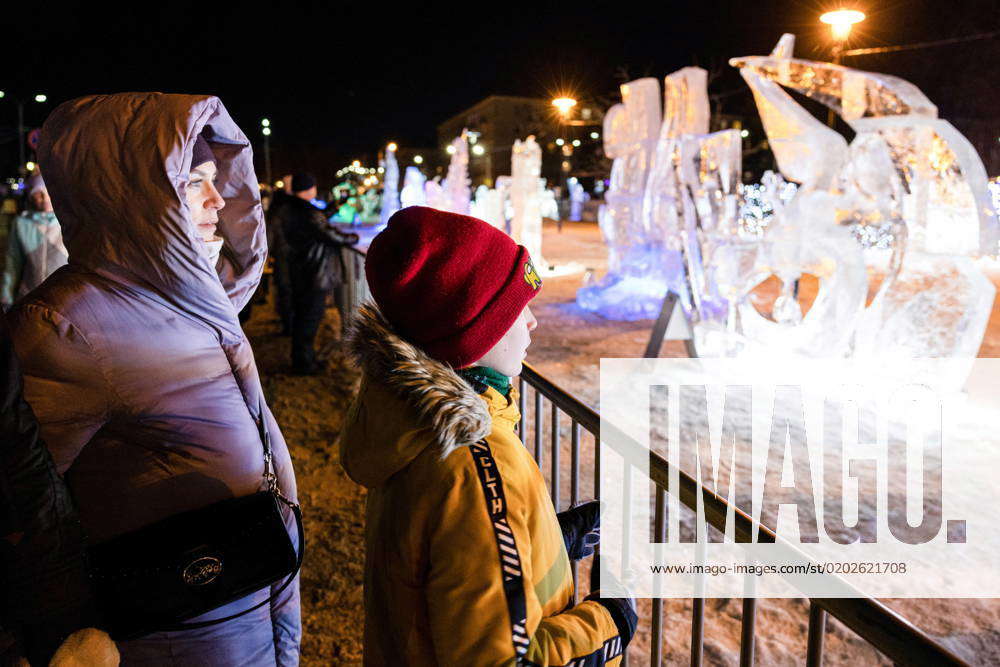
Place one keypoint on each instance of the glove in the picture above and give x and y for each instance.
(581, 529)
(622, 610)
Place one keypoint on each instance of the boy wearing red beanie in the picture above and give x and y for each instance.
(466, 563)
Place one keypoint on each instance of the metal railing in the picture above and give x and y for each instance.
(879, 626)
(355, 287)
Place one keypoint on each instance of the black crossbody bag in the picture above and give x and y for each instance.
(155, 578)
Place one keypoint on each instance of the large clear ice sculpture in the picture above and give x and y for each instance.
(633, 287)
(526, 186)
(390, 189)
(413, 193)
(457, 193)
(906, 172)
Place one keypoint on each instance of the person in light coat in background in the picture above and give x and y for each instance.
(34, 246)
(134, 362)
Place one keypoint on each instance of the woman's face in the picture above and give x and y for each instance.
(506, 356)
(204, 200)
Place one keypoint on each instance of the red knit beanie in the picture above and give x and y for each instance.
(451, 284)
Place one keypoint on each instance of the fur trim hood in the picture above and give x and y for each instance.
(407, 402)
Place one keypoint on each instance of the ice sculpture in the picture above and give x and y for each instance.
(676, 217)
(758, 201)
(456, 184)
(664, 210)
(503, 190)
(548, 205)
(525, 196)
(630, 290)
(906, 171)
(488, 206)
(436, 196)
(390, 190)
(577, 198)
(412, 193)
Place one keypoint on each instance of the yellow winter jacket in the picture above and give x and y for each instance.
(465, 562)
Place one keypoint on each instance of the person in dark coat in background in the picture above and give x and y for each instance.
(315, 267)
(277, 250)
(45, 593)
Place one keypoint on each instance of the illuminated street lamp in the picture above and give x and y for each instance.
(392, 146)
(564, 104)
(478, 149)
(841, 22)
(418, 159)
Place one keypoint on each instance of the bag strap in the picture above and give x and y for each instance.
(271, 481)
(507, 552)
(297, 511)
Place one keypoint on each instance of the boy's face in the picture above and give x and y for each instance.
(506, 356)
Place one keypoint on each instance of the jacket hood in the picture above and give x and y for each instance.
(408, 401)
(116, 167)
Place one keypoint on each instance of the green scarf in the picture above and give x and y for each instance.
(481, 377)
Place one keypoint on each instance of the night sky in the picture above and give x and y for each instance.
(339, 80)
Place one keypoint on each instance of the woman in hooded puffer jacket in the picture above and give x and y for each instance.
(134, 361)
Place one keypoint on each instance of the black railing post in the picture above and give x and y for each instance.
(656, 626)
(817, 629)
(747, 631)
(538, 427)
(555, 456)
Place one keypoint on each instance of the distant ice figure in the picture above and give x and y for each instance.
(436, 196)
(456, 184)
(412, 193)
(503, 187)
(525, 195)
(489, 207)
(577, 198)
(549, 205)
(390, 190)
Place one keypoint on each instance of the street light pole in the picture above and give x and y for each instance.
(40, 98)
(265, 125)
(20, 134)
(840, 21)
